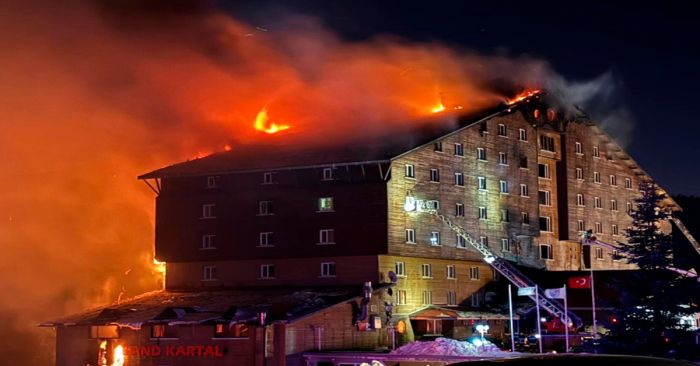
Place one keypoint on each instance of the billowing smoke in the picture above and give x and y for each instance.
(93, 94)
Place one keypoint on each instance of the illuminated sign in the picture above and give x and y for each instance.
(173, 351)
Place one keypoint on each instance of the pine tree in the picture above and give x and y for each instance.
(655, 297)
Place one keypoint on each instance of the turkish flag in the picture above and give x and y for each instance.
(580, 282)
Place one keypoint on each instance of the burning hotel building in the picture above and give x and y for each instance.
(276, 250)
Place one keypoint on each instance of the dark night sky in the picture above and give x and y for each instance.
(651, 50)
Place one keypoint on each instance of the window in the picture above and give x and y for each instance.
(543, 171)
(616, 256)
(473, 273)
(502, 158)
(158, 330)
(502, 130)
(265, 208)
(547, 143)
(505, 245)
(209, 211)
(596, 152)
(459, 150)
(451, 298)
(628, 207)
(581, 225)
(598, 228)
(599, 253)
(484, 241)
(525, 217)
(411, 236)
(578, 148)
(328, 269)
(401, 297)
(615, 230)
(523, 190)
(104, 331)
(597, 203)
(613, 180)
(410, 171)
(266, 239)
(267, 271)
(427, 297)
(208, 241)
(208, 273)
(546, 252)
(475, 299)
(481, 153)
(596, 177)
(326, 236)
(546, 224)
(545, 198)
(522, 135)
(580, 201)
(435, 238)
(434, 175)
(579, 174)
(628, 183)
(483, 215)
(504, 186)
(213, 182)
(268, 178)
(461, 243)
(451, 272)
(459, 179)
(483, 128)
(328, 174)
(227, 330)
(401, 269)
(433, 204)
(438, 146)
(325, 204)
(504, 216)
(613, 205)
(459, 209)
(481, 183)
(523, 162)
(426, 270)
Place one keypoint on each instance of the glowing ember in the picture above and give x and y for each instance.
(262, 123)
(227, 147)
(438, 108)
(522, 96)
(118, 357)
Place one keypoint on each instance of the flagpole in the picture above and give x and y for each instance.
(539, 323)
(566, 325)
(512, 330)
(595, 329)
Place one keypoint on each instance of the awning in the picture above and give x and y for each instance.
(444, 313)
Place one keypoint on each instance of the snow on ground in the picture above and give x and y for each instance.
(449, 347)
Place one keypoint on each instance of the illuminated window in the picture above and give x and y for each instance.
(547, 143)
(328, 269)
(544, 198)
(209, 211)
(265, 208)
(523, 162)
(546, 251)
(481, 153)
(208, 273)
(268, 178)
(596, 152)
(325, 204)
(163, 331)
(581, 225)
(410, 171)
(427, 297)
(543, 171)
(483, 214)
(401, 297)
(435, 238)
(266, 239)
(524, 191)
(580, 201)
(525, 217)
(579, 174)
(502, 158)
(481, 183)
(451, 298)
(459, 150)
(326, 236)
(598, 228)
(267, 271)
(504, 186)
(208, 241)
(401, 269)
(613, 205)
(434, 175)
(596, 177)
(613, 180)
(459, 179)
(473, 273)
(502, 130)
(599, 253)
(231, 330)
(426, 270)
(597, 203)
(505, 217)
(459, 209)
(461, 243)
(104, 331)
(213, 182)
(522, 135)
(505, 245)
(628, 183)
(615, 230)
(411, 236)
(451, 272)
(578, 148)
(546, 224)
(438, 146)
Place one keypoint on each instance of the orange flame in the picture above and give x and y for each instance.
(438, 108)
(159, 268)
(118, 356)
(523, 96)
(262, 123)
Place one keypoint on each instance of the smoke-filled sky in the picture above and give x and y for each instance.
(94, 93)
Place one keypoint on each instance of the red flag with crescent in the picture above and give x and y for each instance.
(580, 282)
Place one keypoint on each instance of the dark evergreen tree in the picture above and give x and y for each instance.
(651, 304)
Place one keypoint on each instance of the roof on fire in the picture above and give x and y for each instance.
(198, 307)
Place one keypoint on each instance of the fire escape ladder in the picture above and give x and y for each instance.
(506, 269)
(687, 233)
